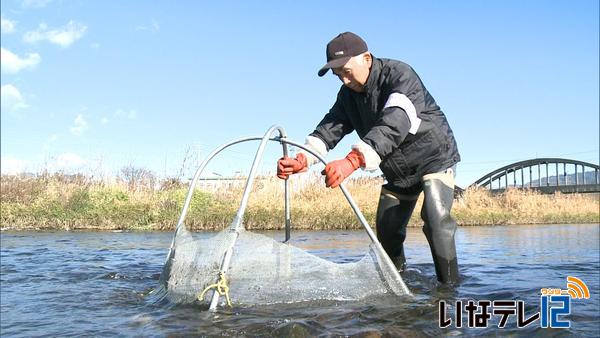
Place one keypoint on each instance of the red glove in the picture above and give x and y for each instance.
(337, 171)
(287, 166)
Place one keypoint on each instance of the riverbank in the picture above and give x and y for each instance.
(59, 202)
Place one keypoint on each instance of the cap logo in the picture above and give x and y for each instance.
(341, 52)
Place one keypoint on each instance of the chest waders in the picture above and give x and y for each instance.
(393, 214)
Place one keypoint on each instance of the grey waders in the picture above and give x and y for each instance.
(393, 214)
(394, 211)
(439, 227)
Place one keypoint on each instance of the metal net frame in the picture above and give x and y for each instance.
(240, 267)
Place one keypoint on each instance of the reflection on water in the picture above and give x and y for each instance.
(90, 283)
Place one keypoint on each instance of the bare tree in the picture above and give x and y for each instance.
(137, 178)
(188, 165)
(189, 162)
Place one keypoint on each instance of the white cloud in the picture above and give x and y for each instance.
(12, 63)
(128, 114)
(11, 98)
(80, 126)
(66, 161)
(7, 26)
(153, 27)
(63, 36)
(12, 166)
(104, 121)
(35, 3)
(48, 144)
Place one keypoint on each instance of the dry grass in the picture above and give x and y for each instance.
(478, 207)
(75, 202)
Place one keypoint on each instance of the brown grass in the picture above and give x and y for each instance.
(76, 202)
(479, 207)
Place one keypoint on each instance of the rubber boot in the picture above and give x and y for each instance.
(439, 228)
(393, 215)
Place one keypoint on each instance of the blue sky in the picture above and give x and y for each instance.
(93, 86)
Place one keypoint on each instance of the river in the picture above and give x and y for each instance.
(97, 284)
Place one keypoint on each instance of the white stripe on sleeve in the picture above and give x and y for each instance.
(401, 101)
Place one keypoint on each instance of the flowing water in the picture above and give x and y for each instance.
(98, 284)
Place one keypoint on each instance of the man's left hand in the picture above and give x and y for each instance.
(337, 171)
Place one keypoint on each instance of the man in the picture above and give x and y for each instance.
(404, 133)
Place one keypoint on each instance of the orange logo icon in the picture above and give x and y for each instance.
(577, 288)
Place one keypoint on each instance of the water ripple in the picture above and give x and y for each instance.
(101, 284)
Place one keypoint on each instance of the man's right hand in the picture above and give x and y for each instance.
(287, 166)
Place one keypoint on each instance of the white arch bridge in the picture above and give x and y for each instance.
(546, 175)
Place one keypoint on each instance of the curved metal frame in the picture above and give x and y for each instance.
(237, 221)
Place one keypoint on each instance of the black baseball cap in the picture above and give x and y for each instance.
(341, 49)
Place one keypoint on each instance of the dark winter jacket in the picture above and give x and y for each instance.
(394, 99)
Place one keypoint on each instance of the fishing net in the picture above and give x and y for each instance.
(265, 271)
(260, 270)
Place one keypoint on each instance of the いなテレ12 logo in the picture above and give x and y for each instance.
(555, 303)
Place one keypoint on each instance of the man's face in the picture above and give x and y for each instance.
(355, 72)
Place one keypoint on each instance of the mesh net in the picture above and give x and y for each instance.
(265, 271)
